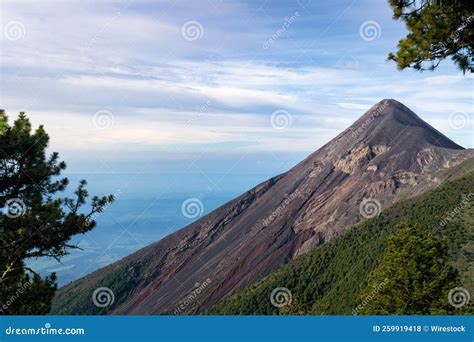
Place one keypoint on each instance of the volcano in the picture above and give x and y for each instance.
(387, 154)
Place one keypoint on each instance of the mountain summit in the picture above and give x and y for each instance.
(387, 153)
(390, 121)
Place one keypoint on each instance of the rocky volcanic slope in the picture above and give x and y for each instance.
(387, 152)
(330, 279)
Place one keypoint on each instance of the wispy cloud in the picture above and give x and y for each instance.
(168, 93)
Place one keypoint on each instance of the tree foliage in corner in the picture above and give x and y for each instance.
(438, 29)
(34, 222)
(414, 277)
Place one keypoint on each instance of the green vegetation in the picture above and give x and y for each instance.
(34, 223)
(122, 279)
(438, 29)
(333, 278)
(413, 277)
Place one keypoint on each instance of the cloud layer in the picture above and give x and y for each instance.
(171, 91)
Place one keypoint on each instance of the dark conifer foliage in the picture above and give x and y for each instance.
(35, 222)
(438, 29)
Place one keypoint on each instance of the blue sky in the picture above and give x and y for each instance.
(147, 86)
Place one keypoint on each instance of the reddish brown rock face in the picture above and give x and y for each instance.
(361, 171)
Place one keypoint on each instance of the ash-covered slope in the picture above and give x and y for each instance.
(365, 168)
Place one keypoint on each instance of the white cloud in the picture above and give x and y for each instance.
(80, 57)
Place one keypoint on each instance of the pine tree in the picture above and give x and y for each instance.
(438, 29)
(34, 221)
(414, 277)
